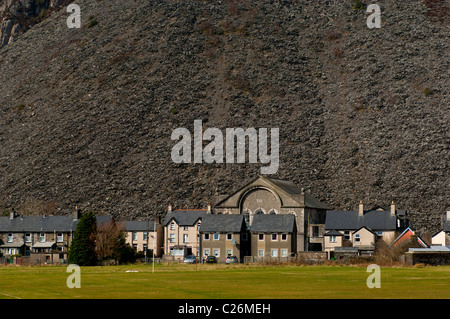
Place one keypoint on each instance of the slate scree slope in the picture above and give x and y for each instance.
(86, 114)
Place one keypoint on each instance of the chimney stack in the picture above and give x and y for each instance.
(76, 213)
(361, 208)
(392, 209)
(12, 214)
(169, 210)
(209, 208)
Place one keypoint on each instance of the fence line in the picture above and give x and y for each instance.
(302, 257)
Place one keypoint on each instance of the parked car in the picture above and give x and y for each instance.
(211, 260)
(190, 259)
(231, 260)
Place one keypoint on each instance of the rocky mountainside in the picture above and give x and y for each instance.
(86, 115)
(18, 16)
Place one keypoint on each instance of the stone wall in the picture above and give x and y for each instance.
(428, 258)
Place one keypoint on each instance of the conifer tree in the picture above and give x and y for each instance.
(82, 250)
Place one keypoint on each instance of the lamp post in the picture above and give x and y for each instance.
(154, 247)
(146, 250)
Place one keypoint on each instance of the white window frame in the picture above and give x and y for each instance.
(185, 238)
(261, 237)
(285, 237)
(10, 238)
(357, 238)
(216, 235)
(333, 239)
(42, 238)
(172, 226)
(260, 252)
(59, 237)
(229, 236)
(206, 236)
(206, 252)
(134, 236)
(171, 238)
(216, 250)
(28, 237)
(284, 252)
(274, 252)
(274, 235)
(229, 252)
(347, 235)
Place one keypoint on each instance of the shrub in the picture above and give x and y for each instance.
(92, 23)
(358, 5)
(20, 107)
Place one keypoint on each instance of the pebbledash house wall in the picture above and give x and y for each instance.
(154, 240)
(222, 244)
(193, 237)
(268, 244)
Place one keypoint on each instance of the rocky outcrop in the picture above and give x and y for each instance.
(17, 16)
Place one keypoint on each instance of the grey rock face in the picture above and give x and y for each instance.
(17, 16)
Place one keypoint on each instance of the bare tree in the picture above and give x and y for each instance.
(109, 239)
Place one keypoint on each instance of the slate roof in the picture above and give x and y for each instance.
(348, 220)
(37, 224)
(447, 226)
(288, 187)
(103, 219)
(185, 217)
(222, 223)
(295, 192)
(139, 225)
(273, 223)
(431, 249)
(333, 232)
(43, 223)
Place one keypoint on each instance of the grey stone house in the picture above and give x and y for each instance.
(45, 238)
(224, 235)
(273, 236)
(266, 196)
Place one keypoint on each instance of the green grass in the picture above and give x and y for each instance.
(176, 281)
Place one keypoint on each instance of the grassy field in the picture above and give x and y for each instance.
(175, 281)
